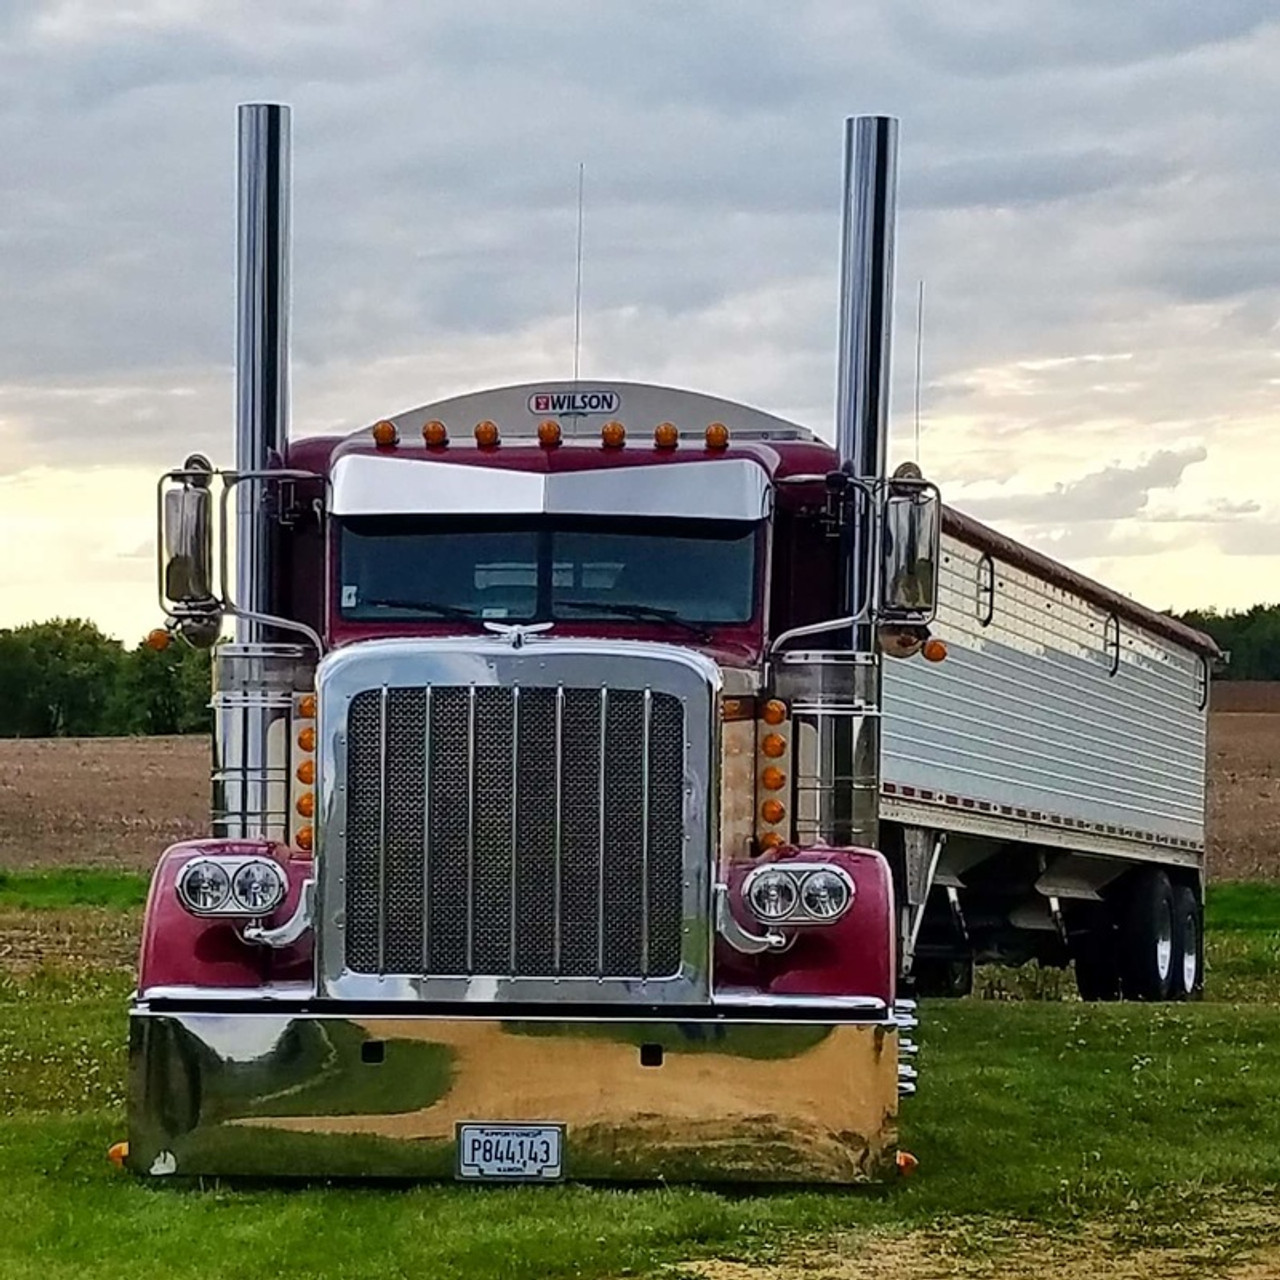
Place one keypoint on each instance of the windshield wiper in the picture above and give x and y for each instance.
(640, 612)
(433, 607)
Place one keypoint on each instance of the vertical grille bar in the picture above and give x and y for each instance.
(559, 831)
(426, 834)
(471, 827)
(515, 824)
(600, 838)
(382, 829)
(644, 834)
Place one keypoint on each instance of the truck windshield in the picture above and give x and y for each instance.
(544, 568)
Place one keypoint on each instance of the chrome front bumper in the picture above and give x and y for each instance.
(276, 1093)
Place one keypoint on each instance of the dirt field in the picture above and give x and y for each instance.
(117, 802)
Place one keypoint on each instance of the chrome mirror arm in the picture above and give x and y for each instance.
(294, 927)
(740, 939)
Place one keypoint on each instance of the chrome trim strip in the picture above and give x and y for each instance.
(601, 818)
(286, 934)
(382, 829)
(871, 1006)
(644, 834)
(740, 939)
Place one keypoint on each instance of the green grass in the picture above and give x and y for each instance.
(59, 890)
(1144, 1122)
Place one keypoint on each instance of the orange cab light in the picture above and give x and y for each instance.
(613, 435)
(737, 708)
(307, 739)
(435, 433)
(307, 706)
(304, 837)
(717, 436)
(773, 745)
(933, 651)
(549, 433)
(775, 711)
(159, 639)
(772, 778)
(306, 804)
(487, 434)
(769, 841)
(770, 811)
(306, 772)
(666, 435)
(385, 435)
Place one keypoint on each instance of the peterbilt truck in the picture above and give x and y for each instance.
(597, 765)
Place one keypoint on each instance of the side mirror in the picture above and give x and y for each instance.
(187, 533)
(910, 545)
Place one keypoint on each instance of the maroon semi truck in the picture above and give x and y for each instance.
(547, 774)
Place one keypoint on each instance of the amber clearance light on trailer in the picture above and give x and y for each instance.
(487, 435)
(666, 435)
(385, 435)
(435, 434)
(613, 435)
(549, 433)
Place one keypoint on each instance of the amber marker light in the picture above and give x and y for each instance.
(306, 773)
(304, 838)
(487, 434)
(772, 778)
(773, 745)
(737, 708)
(159, 640)
(549, 433)
(775, 711)
(717, 436)
(306, 805)
(613, 435)
(385, 435)
(666, 435)
(933, 651)
(307, 706)
(769, 841)
(307, 739)
(773, 811)
(435, 434)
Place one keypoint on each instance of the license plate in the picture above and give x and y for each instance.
(511, 1152)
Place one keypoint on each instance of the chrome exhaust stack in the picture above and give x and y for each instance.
(835, 692)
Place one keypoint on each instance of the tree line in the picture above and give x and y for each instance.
(65, 678)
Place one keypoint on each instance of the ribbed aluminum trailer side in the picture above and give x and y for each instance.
(1047, 782)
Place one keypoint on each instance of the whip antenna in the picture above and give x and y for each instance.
(577, 291)
(919, 358)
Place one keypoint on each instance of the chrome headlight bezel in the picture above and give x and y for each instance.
(799, 873)
(230, 905)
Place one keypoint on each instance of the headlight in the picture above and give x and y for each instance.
(772, 894)
(204, 887)
(825, 895)
(258, 887)
(800, 893)
(231, 886)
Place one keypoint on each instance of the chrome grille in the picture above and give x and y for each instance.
(522, 831)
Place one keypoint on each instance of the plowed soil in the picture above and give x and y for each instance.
(117, 802)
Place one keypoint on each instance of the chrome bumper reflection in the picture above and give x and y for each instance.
(280, 1094)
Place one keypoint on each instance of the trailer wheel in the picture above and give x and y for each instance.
(1148, 948)
(1188, 940)
(938, 977)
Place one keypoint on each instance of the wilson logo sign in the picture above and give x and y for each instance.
(575, 402)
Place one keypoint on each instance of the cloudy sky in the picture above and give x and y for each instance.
(1090, 191)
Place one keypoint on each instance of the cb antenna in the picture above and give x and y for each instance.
(919, 358)
(577, 290)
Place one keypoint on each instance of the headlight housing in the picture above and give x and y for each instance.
(800, 893)
(245, 887)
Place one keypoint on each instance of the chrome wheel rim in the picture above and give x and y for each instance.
(1190, 957)
(1164, 945)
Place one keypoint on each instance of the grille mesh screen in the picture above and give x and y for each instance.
(528, 832)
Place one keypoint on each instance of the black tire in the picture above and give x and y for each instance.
(1147, 937)
(937, 977)
(1188, 944)
(1096, 965)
